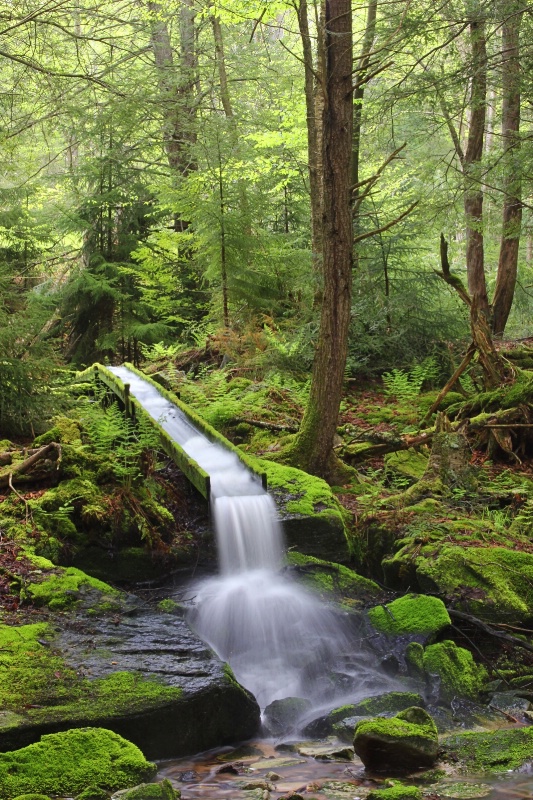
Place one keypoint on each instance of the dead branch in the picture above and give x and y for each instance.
(506, 637)
(23, 466)
(455, 377)
(273, 426)
(446, 275)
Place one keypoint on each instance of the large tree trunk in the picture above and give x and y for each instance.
(313, 448)
(177, 88)
(473, 192)
(512, 206)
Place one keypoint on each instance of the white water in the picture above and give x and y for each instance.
(280, 640)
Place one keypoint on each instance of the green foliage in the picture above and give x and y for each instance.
(406, 386)
(119, 441)
(68, 762)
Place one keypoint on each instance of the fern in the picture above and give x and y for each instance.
(406, 386)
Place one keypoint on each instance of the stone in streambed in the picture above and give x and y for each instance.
(404, 742)
(283, 715)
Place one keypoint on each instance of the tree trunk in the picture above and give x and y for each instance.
(314, 110)
(473, 193)
(512, 206)
(313, 447)
(177, 88)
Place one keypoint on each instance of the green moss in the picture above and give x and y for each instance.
(152, 791)
(65, 763)
(332, 579)
(502, 580)
(456, 668)
(34, 796)
(389, 703)
(301, 493)
(36, 685)
(404, 724)
(407, 462)
(63, 589)
(93, 793)
(407, 740)
(414, 655)
(168, 606)
(490, 751)
(397, 792)
(411, 614)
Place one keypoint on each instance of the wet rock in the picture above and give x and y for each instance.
(142, 674)
(401, 743)
(510, 701)
(345, 728)
(272, 777)
(282, 716)
(330, 750)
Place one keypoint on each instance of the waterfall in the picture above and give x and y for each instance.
(280, 640)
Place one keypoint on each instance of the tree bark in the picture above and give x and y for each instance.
(473, 193)
(314, 110)
(512, 206)
(313, 448)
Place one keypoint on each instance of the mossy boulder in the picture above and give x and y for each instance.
(388, 703)
(411, 614)
(149, 791)
(313, 520)
(405, 742)
(397, 792)
(61, 588)
(494, 583)
(332, 580)
(494, 751)
(407, 463)
(67, 763)
(456, 670)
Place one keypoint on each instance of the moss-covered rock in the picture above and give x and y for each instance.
(68, 762)
(455, 667)
(412, 614)
(149, 791)
(404, 742)
(490, 751)
(333, 580)
(313, 520)
(62, 588)
(408, 463)
(397, 792)
(387, 704)
(494, 583)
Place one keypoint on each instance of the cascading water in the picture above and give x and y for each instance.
(280, 640)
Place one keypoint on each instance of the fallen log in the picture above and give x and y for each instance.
(24, 466)
(360, 452)
(271, 426)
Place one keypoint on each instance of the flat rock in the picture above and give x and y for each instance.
(142, 674)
